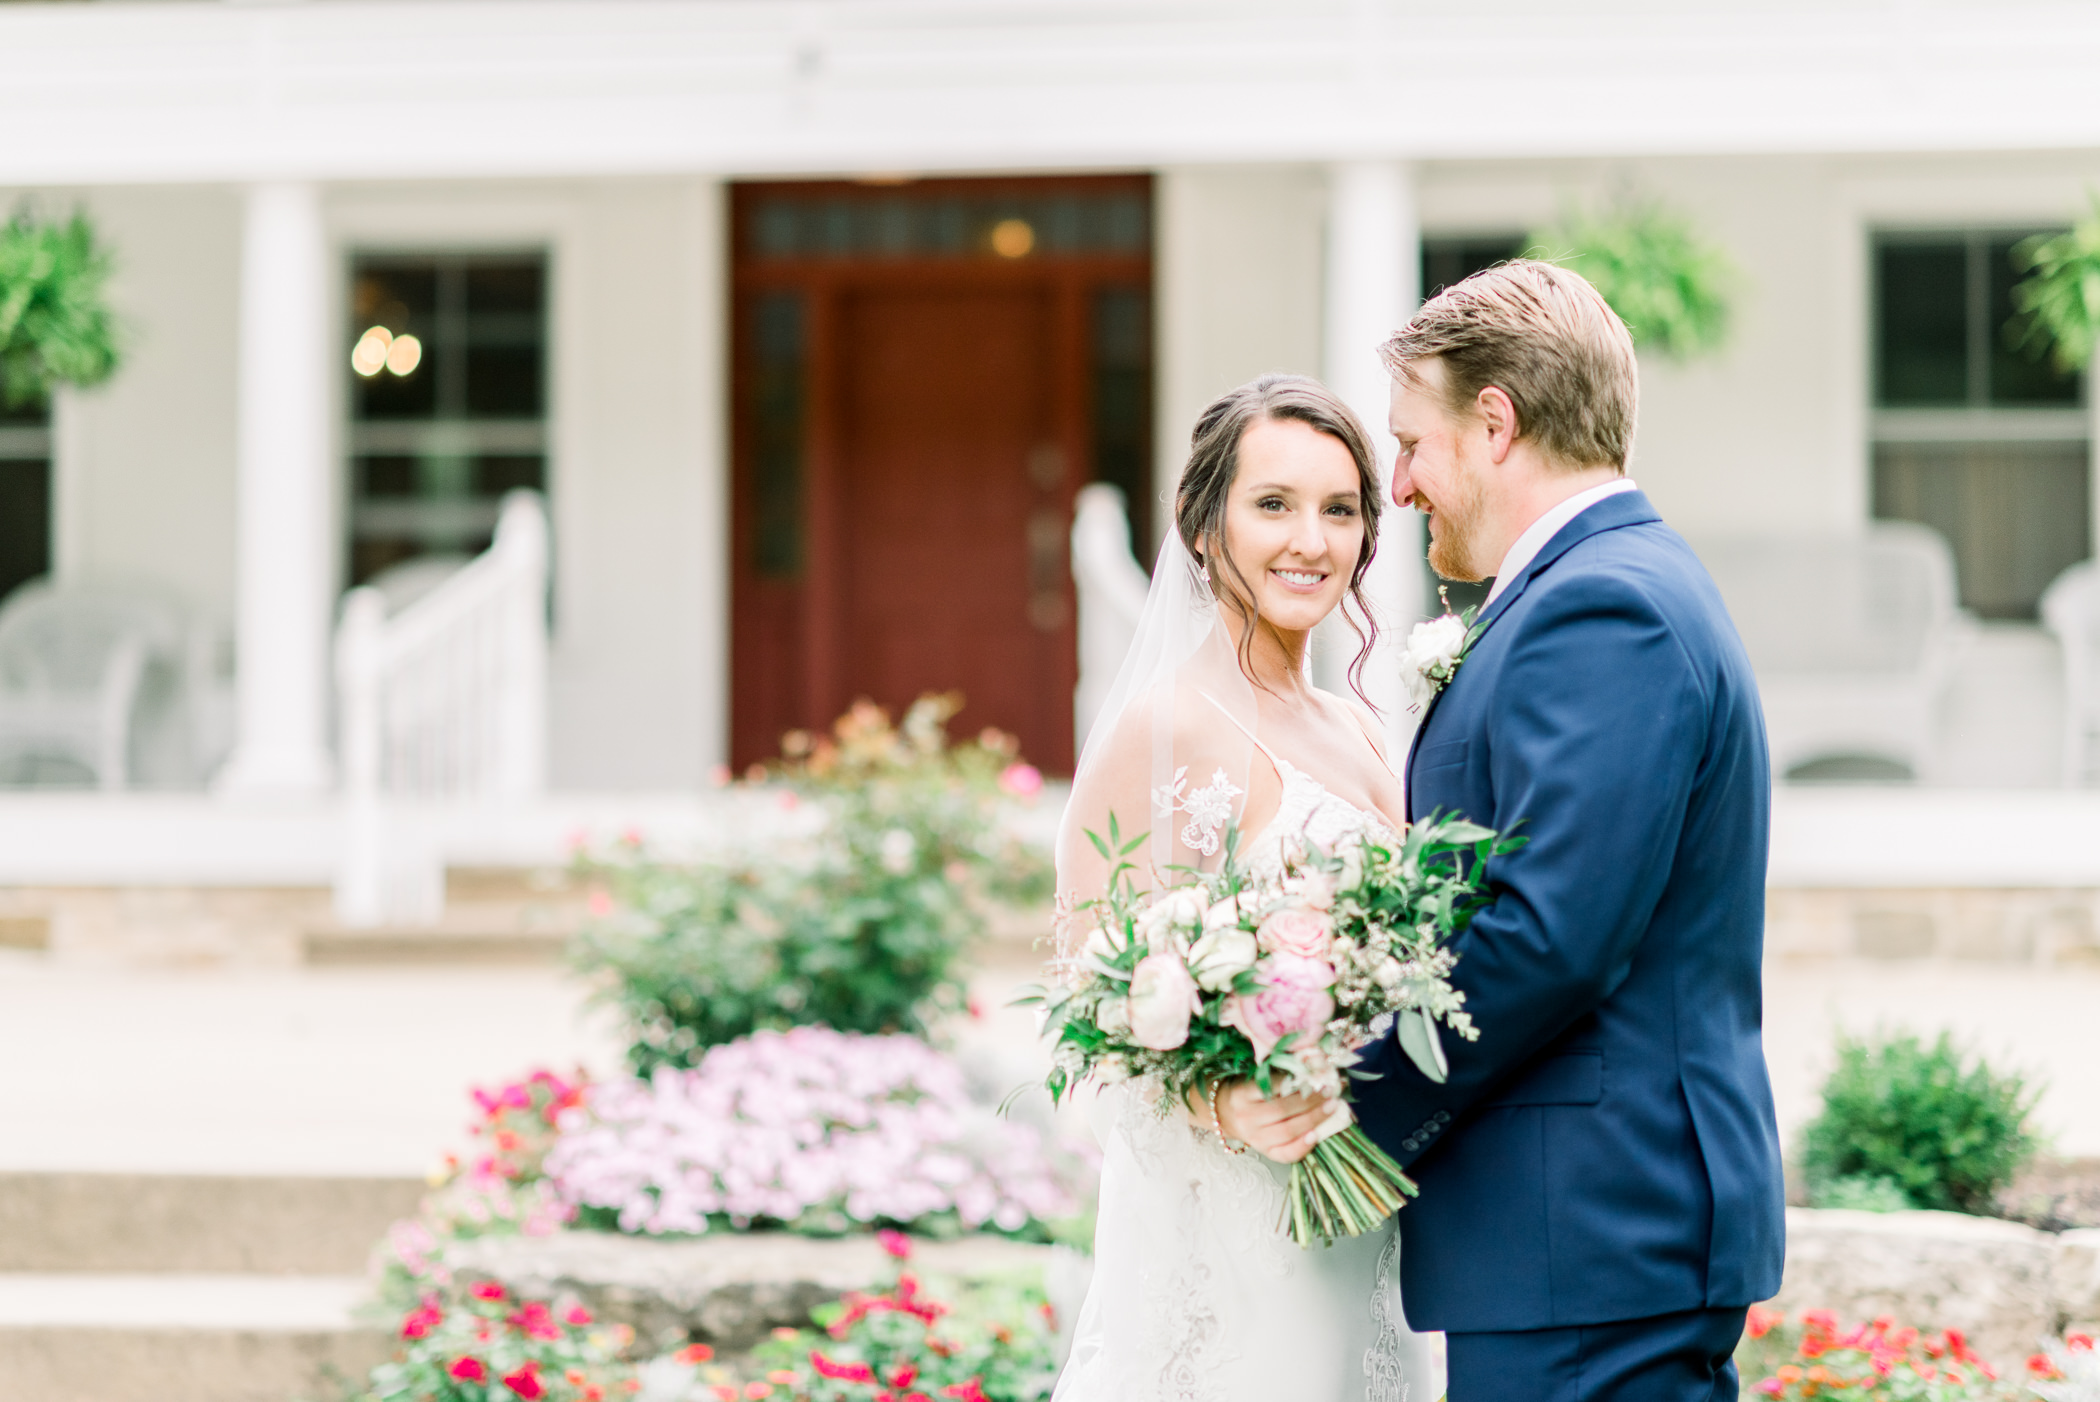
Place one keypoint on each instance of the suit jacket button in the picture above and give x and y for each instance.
(1443, 1117)
(1409, 1145)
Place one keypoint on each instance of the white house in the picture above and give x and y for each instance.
(810, 320)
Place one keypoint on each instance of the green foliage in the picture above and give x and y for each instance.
(2058, 302)
(1943, 1134)
(857, 927)
(54, 325)
(1671, 288)
(1864, 1193)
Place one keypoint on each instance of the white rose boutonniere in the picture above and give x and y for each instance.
(1434, 650)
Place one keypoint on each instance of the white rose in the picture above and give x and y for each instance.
(1433, 650)
(1224, 914)
(1221, 956)
(1113, 1016)
(1163, 997)
(1103, 945)
(1176, 911)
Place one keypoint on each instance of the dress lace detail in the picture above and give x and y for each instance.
(1197, 1294)
(1385, 1378)
(1209, 808)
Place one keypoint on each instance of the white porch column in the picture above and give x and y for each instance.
(1374, 255)
(286, 551)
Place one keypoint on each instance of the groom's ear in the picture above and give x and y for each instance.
(1498, 420)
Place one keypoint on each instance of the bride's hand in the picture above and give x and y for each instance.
(1284, 1129)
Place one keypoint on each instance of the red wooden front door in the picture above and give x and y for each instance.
(911, 429)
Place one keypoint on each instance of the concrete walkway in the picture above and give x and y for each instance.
(366, 1072)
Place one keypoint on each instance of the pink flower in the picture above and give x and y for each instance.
(1162, 999)
(485, 1290)
(599, 902)
(1297, 930)
(1021, 780)
(526, 1382)
(470, 1370)
(895, 1243)
(1294, 998)
(422, 1319)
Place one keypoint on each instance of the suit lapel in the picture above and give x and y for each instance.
(1623, 509)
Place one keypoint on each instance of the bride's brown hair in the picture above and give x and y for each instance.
(1214, 462)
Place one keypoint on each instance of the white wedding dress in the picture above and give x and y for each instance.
(1197, 1293)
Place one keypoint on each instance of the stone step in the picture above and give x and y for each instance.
(138, 1224)
(182, 1338)
(335, 947)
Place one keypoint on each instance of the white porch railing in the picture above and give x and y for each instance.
(2071, 609)
(1112, 587)
(446, 700)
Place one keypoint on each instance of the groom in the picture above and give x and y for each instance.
(1601, 1191)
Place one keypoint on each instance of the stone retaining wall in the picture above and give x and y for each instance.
(2003, 1284)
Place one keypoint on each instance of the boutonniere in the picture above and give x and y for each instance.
(1435, 648)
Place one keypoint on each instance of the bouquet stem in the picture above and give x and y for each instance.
(1345, 1187)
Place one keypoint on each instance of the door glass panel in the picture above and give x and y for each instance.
(1123, 404)
(901, 223)
(777, 432)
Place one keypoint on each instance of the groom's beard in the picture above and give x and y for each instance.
(1455, 524)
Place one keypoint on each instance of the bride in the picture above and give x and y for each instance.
(1213, 728)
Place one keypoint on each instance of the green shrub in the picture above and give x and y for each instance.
(856, 929)
(1941, 1133)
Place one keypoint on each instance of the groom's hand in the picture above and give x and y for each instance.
(1284, 1129)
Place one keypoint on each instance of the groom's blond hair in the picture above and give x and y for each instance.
(1544, 337)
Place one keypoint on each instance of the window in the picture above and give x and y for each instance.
(1445, 261)
(447, 400)
(25, 496)
(1983, 442)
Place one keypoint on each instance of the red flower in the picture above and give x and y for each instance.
(470, 1370)
(1760, 1321)
(535, 1321)
(895, 1242)
(755, 1391)
(422, 1319)
(486, 1290)
(526, 1382)
(2078, 1343)
(2043, 1366)
(578, 1316)
(724, 1392)
(693, 1354)
(905, 1376)
(840, 1372)
(970, 1390)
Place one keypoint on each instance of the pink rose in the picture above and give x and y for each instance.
(1294, 997)
(1297, 930)
(1162, 999)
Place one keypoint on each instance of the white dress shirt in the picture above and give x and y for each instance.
(1535, 536)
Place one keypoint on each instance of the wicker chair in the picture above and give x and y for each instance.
(74, 663)
(2071, 610)
(1852, 637)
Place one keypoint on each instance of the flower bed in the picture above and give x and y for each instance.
(1819, 1357)
(810, 1130)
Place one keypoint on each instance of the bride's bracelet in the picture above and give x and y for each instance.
(1217, 1126)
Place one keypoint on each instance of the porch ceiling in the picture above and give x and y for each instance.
(377, 89)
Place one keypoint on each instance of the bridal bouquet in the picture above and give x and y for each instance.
(1226, 976)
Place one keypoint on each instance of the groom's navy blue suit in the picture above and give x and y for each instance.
(1601, 1187)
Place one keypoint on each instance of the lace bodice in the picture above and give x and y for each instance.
(1310, 815)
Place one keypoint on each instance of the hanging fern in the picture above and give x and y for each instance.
(55, 327)
(2058, 302)
(1671, 288)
